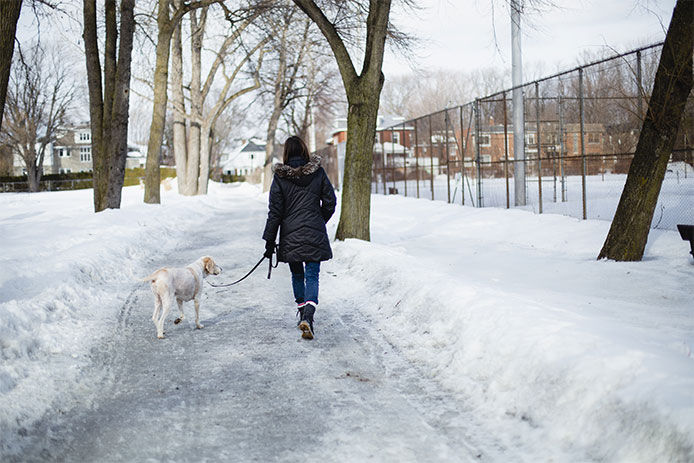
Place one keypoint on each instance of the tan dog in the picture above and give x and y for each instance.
(180, 285)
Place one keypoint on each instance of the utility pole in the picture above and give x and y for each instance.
(518, 117)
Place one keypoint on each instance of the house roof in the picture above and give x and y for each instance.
(253, 145)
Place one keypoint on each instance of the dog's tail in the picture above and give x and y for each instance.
(150, 278)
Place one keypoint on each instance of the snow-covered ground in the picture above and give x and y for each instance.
(675, 204)
(506, 310)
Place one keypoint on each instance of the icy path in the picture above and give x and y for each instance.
(247, 388)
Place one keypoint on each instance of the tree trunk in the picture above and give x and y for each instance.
(356, 192)
(270, 147)
(33, 177)
(628, 233)
(156, 130)
(118, 148)
(205, 152)
(9, 15)
(179, 108)
(96, 105)
(193, 170)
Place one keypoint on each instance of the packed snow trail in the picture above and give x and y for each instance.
(246, 387)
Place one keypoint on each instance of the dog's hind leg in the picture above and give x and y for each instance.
(197, 314)
(157, 307)
(166, 306)
(180, 310)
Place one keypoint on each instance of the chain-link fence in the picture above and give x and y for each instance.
(580, 133)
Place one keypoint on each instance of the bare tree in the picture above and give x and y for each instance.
(363, 91)
(168, 18)
(109, 92)
(39, 96)
(290, 44)
(193, 129)
(628, 233)
(318, 98)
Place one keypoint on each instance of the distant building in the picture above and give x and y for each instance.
(245, 159)
(393, 141)
(72, 152)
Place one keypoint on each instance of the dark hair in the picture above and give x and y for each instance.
(295, 147)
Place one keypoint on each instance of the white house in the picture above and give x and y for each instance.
(249, 156)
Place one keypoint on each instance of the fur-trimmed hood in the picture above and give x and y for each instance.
(289, 172)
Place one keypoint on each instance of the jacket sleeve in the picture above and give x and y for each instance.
(327, 197)
(275, 212)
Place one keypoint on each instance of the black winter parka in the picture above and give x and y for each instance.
(302, 200)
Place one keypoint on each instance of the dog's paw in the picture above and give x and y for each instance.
(177, 321)
(160, 336)
(199, 326)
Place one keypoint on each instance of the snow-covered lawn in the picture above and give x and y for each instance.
(675, 204)
(506, 309)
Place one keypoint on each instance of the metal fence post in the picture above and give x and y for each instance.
(508, 191)
(539, 153)
(431, 157)
(416, 155)
(383, 170)
(583, 145)
(448, 160)
(561, 149)
(477, 149)
(392, 159)
(404, 155)
(462, 158)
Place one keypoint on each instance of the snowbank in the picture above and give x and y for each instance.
(512, 311)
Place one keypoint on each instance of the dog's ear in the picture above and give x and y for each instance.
(209, 264)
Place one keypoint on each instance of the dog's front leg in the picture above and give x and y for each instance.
(197, 314)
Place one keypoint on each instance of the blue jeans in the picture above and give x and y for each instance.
(305, 281)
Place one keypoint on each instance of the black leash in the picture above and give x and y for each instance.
(269, 272)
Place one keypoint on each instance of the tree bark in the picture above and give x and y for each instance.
(205, 152)
(356, 191)
(96, 105)
(156, 129)
(179, 108)
(108, 111)
(197, 29)
(9, 15)
(118, 148)
(628, 233)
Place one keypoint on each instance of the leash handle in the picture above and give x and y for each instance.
(277, 262)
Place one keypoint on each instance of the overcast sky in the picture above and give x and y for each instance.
(459, 34)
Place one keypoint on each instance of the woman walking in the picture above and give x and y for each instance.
(302, 201)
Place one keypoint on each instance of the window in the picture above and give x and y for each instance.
(63, 152)
(575, 143)
(485, 158)
(485, 140)
(593, 137)
(85, 136)
(86, 154)
(530, 139)
(396, 138)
